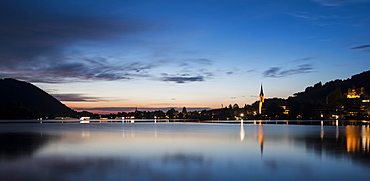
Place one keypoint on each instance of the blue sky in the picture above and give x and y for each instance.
(118, 55)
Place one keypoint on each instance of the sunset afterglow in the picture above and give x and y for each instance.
(120, 55)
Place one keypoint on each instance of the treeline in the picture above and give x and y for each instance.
(157, 114)
(231, 112)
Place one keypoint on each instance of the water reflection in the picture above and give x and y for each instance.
(366, 139)
(353, 137)
(242, 133)
(123, 130)
(178, 151)
(336, 133)
(261, 137)
(183, 158)
(358, 139)
(17, 145)
(322, 132)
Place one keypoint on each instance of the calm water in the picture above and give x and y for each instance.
(183, 151)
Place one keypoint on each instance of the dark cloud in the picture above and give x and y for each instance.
(75, 98)
(183, 79)
(191, 70)
(28, 35)
(360, 47)
(35, 36)
(38, 40)
(272, 72)
(280, 72)
(83, 69)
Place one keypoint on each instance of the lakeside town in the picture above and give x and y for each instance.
(357, 107)
(334, 100)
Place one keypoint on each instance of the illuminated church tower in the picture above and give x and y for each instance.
(262, 99)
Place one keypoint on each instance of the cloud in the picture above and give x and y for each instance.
(36, 41)
(188, 70)
(313, 17)
(303, 59)
(77, 70)
(28, 34)
(65, 41)
(278, 72)
(323, 19)
(99, 68)
(75, 98)
(337, 2)
(202, 61)
(302, 16)
(194, 65)
(360, 47)
(183, 79)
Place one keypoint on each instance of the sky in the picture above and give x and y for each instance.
(116, 55)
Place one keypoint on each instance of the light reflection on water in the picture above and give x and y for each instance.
(183, 151)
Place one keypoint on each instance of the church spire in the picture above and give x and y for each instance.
(261, 91)
(262, 99)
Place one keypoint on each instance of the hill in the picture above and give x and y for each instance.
(345, 99)
(330, 91)
(22, 100)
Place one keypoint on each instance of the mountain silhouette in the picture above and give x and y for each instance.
(333, 98)
(22, 100)
(321, 93)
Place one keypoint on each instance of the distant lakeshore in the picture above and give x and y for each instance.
(335, 100)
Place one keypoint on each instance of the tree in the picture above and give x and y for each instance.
(184, 111)
(274, 110)
(171, 113)
(159, 114)
(336, 98)
(181, 115)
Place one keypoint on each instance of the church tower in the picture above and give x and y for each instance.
(262, 99)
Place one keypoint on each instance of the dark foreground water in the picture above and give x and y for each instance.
(183, 151)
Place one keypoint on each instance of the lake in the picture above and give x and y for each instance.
(183, 151)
